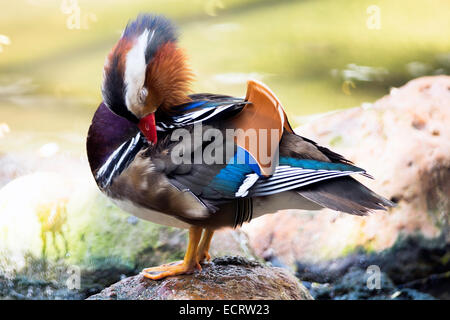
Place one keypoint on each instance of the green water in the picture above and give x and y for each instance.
(313, 54)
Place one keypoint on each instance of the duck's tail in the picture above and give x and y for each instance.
(345, 194)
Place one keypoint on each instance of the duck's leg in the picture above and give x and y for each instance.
(186, 266)
(203, 247)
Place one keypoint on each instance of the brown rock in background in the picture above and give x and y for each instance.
(227, 278)
(403, 140)
(229, 242)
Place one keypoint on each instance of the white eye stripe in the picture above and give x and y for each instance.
(135, 71)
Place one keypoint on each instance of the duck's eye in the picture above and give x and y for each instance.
(142, 95)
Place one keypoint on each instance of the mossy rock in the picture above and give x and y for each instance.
(101, 235)
(50, 236)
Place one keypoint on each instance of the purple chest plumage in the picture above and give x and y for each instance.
(107, 133)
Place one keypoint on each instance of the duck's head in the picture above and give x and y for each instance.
(145, 70)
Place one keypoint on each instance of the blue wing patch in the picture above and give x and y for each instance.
(193, 105)
(229, 179)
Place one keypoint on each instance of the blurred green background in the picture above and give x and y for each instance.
(316, 55)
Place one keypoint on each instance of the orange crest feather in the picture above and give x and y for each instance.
(168, 78)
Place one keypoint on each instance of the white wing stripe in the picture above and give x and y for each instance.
(296, 177)
(278, 176)
(301, 184)
(262, 186)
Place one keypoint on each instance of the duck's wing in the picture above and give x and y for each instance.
(300, 164)
(306, 171)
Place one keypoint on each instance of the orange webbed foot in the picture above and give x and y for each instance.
(171, 269)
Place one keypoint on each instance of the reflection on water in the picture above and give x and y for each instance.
(4, 41)
(361, 73)
(40, 124)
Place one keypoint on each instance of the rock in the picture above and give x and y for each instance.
(409, 259)
(403, 140)
(25, 288)
(435, 285)
(224, 278)
(356, 285)
(412, 263)
(232, 242)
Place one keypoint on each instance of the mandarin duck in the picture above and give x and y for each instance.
(204, 161)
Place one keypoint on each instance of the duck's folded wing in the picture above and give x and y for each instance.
(303, 168)
(240, 178)
(295, 162)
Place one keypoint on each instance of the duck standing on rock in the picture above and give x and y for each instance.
(168, 157)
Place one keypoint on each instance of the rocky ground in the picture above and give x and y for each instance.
(403, 140)
(224, 278)
(414, 268)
